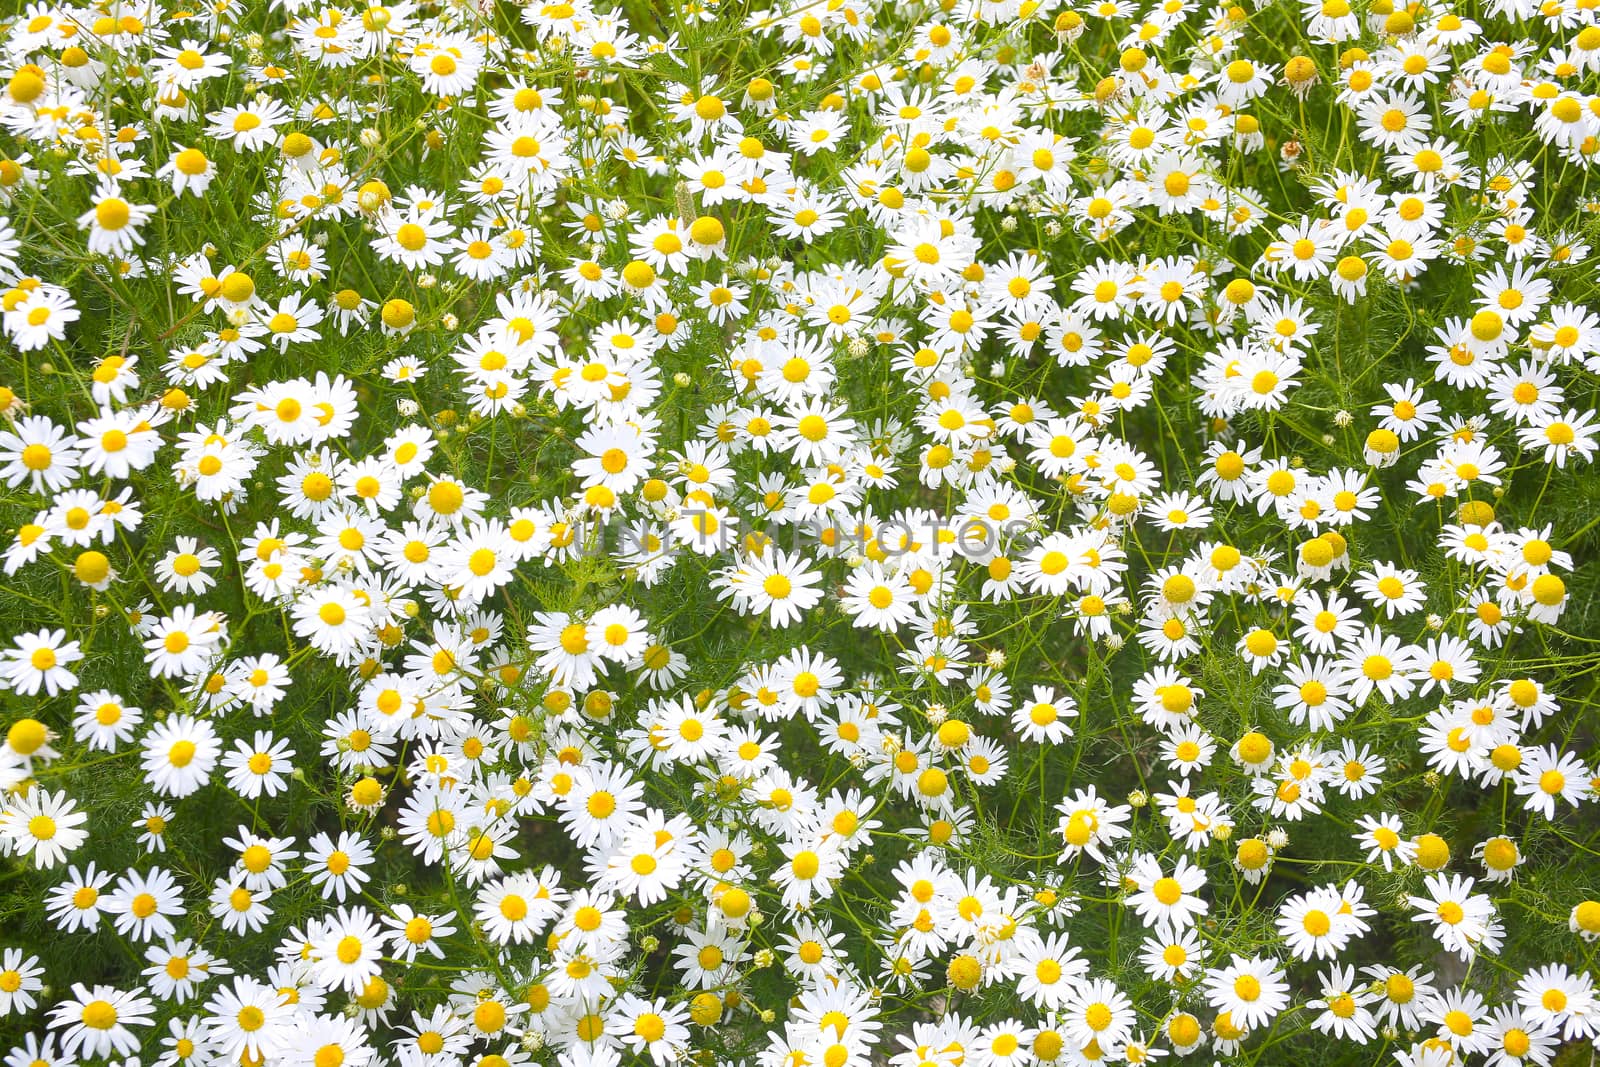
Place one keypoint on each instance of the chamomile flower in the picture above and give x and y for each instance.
(1251, 990)
(96, 1021)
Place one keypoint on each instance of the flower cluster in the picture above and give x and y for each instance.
(985, 533)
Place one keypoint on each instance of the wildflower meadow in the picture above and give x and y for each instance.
(839, 533)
